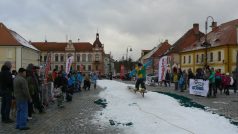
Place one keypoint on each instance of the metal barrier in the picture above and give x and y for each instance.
(47, 95)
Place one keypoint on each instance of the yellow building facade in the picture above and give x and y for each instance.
(219, 57)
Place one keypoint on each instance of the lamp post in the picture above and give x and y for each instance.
(128, 48)
(206, 44)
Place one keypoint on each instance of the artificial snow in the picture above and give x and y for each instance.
(155, 113)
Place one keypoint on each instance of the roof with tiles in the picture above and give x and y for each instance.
(11, 38)
(164, 47)
(6, 37)
(186, 40)
(224, 34)
(60, 46)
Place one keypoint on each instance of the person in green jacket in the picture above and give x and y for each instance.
(212, 86)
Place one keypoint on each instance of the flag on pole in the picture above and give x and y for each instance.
(47, 66)
(69, 62)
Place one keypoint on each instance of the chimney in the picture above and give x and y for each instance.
(166, 41)
(196, 28)
(214, 26)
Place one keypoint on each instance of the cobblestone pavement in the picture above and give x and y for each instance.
(222, 104)
(75, 118)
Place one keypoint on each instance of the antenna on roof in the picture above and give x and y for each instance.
(78, 39)
(97, 30)
(45, 38)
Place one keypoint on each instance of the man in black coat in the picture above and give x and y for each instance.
(6, 91)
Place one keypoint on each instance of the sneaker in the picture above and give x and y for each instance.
(24, 128)
(29, 118)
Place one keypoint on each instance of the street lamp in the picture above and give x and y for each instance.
(206, 43)
(128, 48)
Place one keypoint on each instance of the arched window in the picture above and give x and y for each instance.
(89, 57)
(78, 57)
(97, 57)
(84, 57)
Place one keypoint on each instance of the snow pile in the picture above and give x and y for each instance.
(156, 113)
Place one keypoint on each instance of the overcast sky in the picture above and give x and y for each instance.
(140, 24)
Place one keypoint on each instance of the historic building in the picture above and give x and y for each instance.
(155, 54)
(16, 49)
(222, 52)
(182, 43)
(87, 57)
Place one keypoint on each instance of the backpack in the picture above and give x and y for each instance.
(226, 80)
(181, 80)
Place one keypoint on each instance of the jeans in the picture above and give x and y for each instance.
(22, 113)
(6, 106)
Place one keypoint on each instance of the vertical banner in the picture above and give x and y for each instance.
(122, 71)
(69, 62)
(163, 63)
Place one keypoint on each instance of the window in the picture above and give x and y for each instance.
(61, 67)
(45, 57)
(56, 57)
(61, 57)
(40, 58)
(84, 57)
(197, 58)
(97, 57)
(89, 68)
(184, 59)
(202, 59)
(69, 55)
(189, 59)
(78, 57)
(219, 56)
(84, 67)
(211, 57)
(96, 67)
(89, 57)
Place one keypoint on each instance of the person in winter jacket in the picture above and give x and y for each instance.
(87, 82)
(22, 95)
(175, 78)
(140, 71)
(218, 80)
(6, 83)
(94, 79)
(212, 86)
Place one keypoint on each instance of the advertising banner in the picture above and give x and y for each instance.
(198, 87)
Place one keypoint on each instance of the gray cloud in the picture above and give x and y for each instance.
(140, 24)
